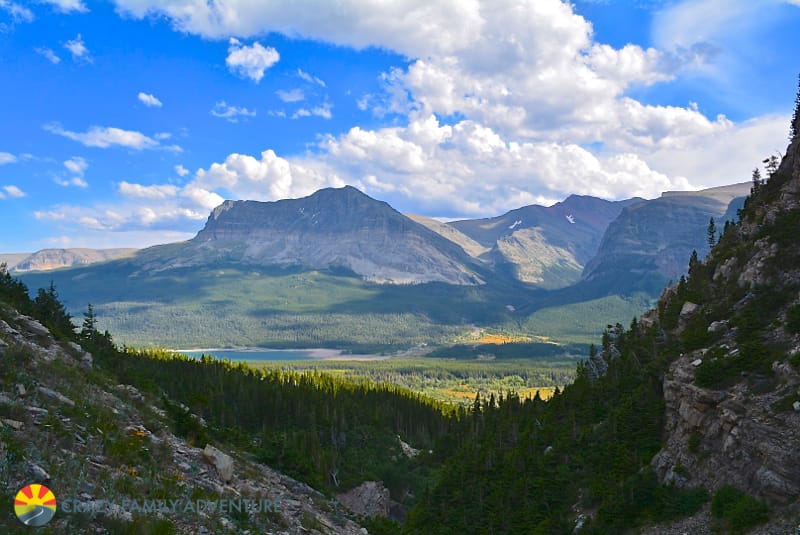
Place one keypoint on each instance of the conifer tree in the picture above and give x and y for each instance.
(711, 233)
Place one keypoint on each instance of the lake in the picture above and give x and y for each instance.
(257, 353)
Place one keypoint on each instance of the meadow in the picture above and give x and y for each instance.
(448, 380)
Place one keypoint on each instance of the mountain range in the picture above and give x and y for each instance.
(264, 265)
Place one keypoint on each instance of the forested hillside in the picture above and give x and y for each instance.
(708, 381)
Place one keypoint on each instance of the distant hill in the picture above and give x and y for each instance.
(12, 259)
(650, 242)
(48, 259)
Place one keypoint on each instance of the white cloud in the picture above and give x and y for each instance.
(323, 111)
(250, 61)
(12, 192)
(76, 165)
(528, 69)
(7, 157)
(49, 54)
(67, 6)
(294, 95)
(181, 170)
(126, 189)
(74, 181)
(105, 136)
(313, 79)
(18, 12)
(413, 27)
(149, 100)
(231, 113)
(78, 49)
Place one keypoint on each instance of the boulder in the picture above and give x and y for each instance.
(688, 309)
(221, 461)
(56, 395)
(371, 498)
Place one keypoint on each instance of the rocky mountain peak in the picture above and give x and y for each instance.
(333, 228)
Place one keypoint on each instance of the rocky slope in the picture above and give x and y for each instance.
(650, 242)
(101, 446)
(546, 246)
(48, 259)
(733, 397)
(331, 229)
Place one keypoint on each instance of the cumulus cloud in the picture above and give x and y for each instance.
(149, 100)
(74, 181)
(68, 6)
(518, 103)
(7, 157)
(323, 111)
(105, 136)
(181, 170)
(78, 49)
(294, 95)
(231, 113)
(250, 61)
(12, 192)
(49, 54)
(76, 165)
(18, 12)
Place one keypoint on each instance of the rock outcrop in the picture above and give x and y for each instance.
(731, 415)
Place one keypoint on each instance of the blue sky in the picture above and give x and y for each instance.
(126, 121)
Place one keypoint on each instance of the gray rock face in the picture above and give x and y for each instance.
(221, 461)
(333, 228)
(728, 437)
(371, 498)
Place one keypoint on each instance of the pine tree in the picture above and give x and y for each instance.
(757, 182)
(89, 328)
(711, 233)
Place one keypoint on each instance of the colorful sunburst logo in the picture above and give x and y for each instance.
(35, 505)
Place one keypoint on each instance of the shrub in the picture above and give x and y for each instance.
(738, 509)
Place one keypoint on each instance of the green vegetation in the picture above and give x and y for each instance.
(740, 511)
(284, 308)
(453, 381)
(583, 322)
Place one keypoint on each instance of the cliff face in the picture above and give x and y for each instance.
(733, 396)
(648, 244)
